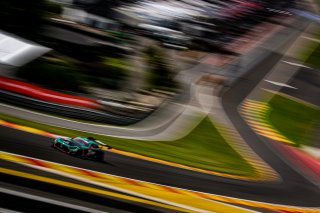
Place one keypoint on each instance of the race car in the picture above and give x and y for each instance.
(86, 148)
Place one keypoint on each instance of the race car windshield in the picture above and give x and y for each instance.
(80, 141)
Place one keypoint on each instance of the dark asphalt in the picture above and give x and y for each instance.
(293, 190)
(264, 148)
(63, 194)
(307, 82)
(285, 192)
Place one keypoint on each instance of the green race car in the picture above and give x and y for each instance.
(86, 148)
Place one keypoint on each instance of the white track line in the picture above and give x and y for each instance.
(311, 39)
(296, 64)
(280, 84)
(8, 211)
(48, 200)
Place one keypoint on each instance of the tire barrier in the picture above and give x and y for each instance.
(37, 92)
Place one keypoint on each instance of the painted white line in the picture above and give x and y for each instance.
(296, 64)
(8, 211)
(48, 200)
(175, 46)
(311, 39)
(281, 84)
(63, 21)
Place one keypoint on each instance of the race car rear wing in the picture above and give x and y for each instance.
(103, 144)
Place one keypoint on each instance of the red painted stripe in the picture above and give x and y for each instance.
(170, 189)
(133, 182)
(301, 159)
(11, 125)
(37, 162)
(49, 135)
(202, 195)
(45, 94)
(89, 173)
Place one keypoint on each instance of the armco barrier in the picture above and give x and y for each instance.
(68, 111)
(37, 92)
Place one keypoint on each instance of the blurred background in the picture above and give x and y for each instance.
(230, 87)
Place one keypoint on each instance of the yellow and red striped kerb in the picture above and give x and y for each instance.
(198, 199)
(255, 113)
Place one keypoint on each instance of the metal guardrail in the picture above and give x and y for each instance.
(69, 111)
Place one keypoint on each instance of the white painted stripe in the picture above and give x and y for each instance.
(311, 39)
(48, 200)
(8, 211)
(281, 84)
(63, 21)
(175, 46)
(296, 64)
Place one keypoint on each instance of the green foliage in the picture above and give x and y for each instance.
(57, 74)
(310, 52)
(53, 7)
(110, 73)
(22, 17)
(293, 119)
(25, 18)
(159, 76)
(313, 58)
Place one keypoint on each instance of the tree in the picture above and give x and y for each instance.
(159, 74)
(54, 73)
(110, 73)
(24, 17)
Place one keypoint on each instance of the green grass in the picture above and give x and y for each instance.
(313, 58)
(293, 119)
(311, 51)
(203, 148)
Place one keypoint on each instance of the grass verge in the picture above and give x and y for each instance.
(313, 58)
(311, 51)
(203, 148)
(293, 119)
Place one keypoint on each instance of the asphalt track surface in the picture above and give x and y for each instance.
(83, 201)
(283, 192)
(294, 189)
(307, 84)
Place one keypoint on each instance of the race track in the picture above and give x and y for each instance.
(292, 189)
